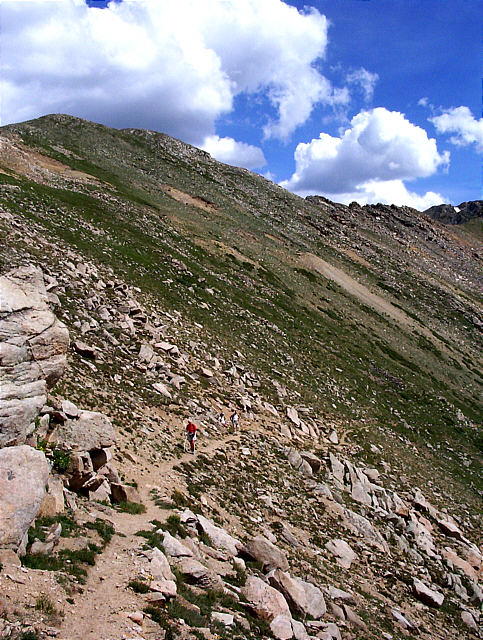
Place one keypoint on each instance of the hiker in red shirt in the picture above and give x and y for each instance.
(191, 430)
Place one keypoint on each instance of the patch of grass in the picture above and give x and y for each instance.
(103, 528)
(29, 635)
(45, 604)
(174, 527)
(131, 507)
(138, 586)
(42, 561)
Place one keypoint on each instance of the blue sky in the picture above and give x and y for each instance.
(368, 100)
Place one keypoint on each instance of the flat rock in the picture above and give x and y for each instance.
(124, 493)
(23, 476)
(162, 389)
(226, 619)
(33, 349)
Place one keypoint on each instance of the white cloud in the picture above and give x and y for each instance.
(388, 192)
(232, 152)
(460, 120)
(369, 161)
(365, 80)
(174, 66)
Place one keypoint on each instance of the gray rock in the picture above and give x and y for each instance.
(281, 627)
(316, 607)
(312, 460)
(174, 547)
(469, 620)
(90, 430)
(23, 476)
(124, 493)
(262, 550)
(33, 348)
(220, 538)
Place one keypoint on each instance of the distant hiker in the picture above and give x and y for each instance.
(191, 430)
(222, 419)
(234, 420)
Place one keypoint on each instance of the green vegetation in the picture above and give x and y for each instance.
(131, 507)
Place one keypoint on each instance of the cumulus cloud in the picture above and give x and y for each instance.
(379, 151)
(388, 192)
(460, 120)
(365, 80)
(239, 154)
(174, 66)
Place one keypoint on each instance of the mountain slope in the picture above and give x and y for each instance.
(366, 319)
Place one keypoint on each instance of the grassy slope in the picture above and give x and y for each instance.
(331, 351)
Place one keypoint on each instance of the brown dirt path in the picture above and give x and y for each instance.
(100, 613)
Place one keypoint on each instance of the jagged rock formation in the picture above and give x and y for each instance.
(33, 346)
(448, 214)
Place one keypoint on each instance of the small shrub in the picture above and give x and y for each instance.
(61, 460)
(29, 635)
(138, 586)
(45, 604)
(131, 507)
(42, 561)
(174, 526)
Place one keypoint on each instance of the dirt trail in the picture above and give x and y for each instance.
(100, 613)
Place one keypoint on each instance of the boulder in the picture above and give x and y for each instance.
(293, 416)
(196, 573)
(426, 595)
(262, 550)
(299, 631)
(174, 547)
(342, 551)
(291, 589)
(33, 348)
(23, 475)
(124, 493)
(265, 601)
(159, 566)
(90, 430)
(166, 588)
(312, 460)
(220, 538)
(295, 458)
(316, 607)
(226, 619)
(281, 627)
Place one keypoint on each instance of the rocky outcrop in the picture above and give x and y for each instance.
(23, 475)
(88, 431)
(33, 347)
